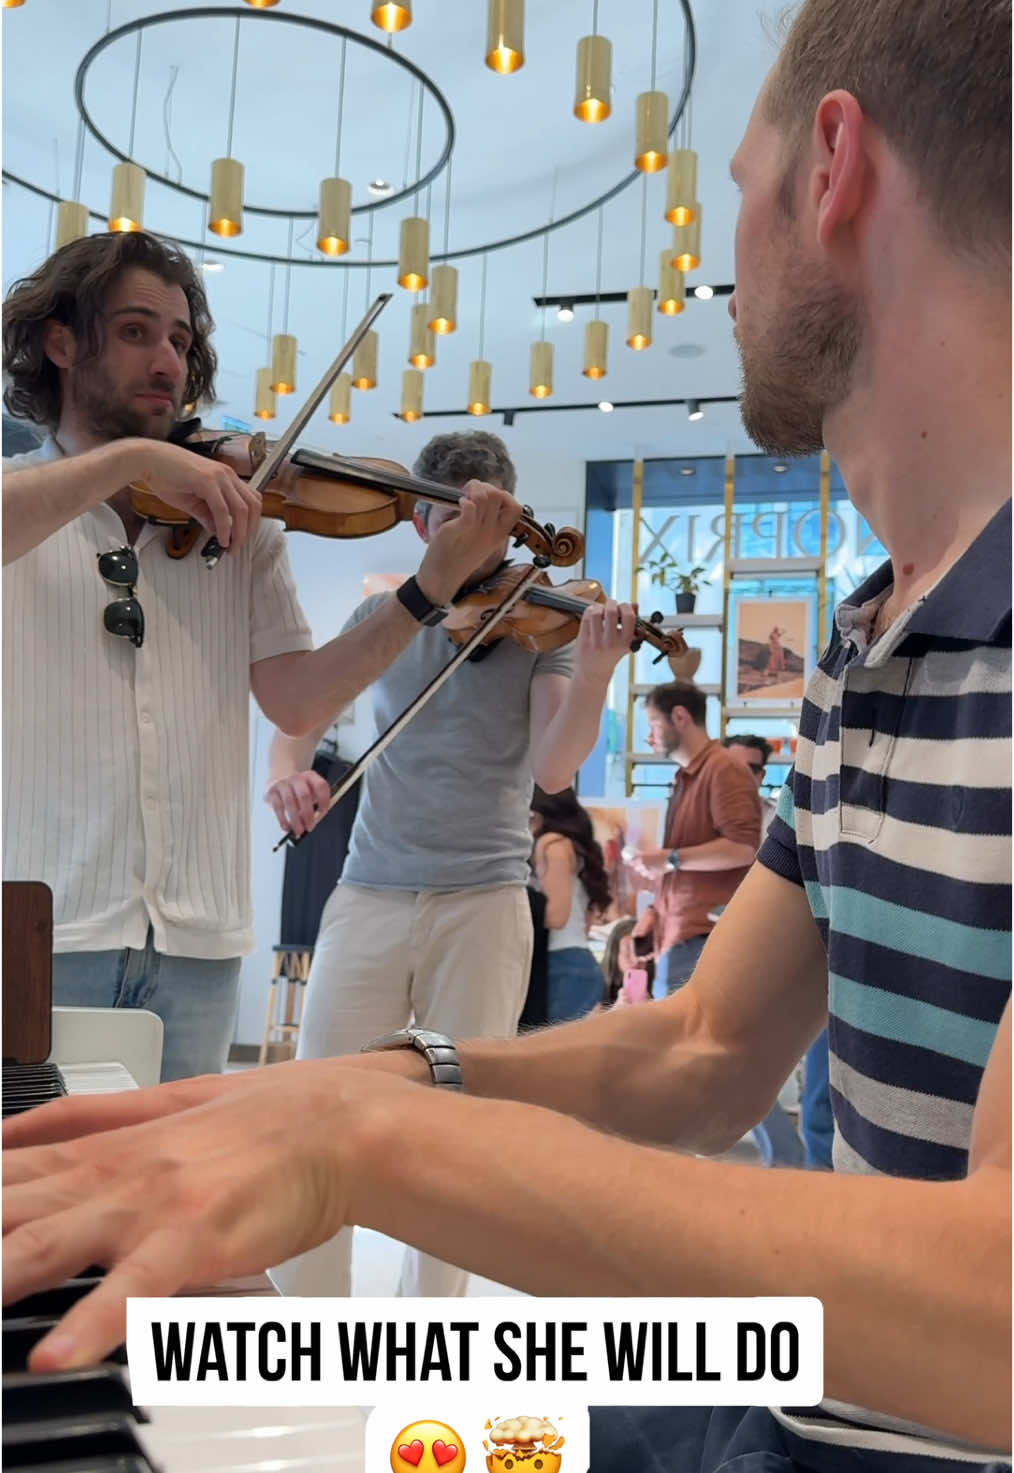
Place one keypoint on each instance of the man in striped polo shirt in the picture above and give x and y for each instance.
(873, 308)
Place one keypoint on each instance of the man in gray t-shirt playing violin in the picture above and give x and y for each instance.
(431, 923)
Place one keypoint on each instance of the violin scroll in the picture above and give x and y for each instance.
(562, 547)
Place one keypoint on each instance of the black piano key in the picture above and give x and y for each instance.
(96, 1464)
(19, 1336)
(91, 1391)
(53, 1302)
(56, 1439)
(27, 1085)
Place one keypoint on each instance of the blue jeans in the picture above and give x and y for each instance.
(816, 1119)
(196, 999)
(734, 1440)
(778, 1140)
(575, 984)
(676, 966)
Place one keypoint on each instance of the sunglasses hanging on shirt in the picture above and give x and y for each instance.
(124, 616)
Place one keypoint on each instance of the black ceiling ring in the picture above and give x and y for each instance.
(260, 17)
(496, 245)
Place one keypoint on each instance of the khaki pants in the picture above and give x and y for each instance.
(455, 962)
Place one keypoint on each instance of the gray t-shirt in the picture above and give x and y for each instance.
(446, 806)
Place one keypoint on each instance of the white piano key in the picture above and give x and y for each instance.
(255, 1440)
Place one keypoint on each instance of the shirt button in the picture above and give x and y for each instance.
(146, 717)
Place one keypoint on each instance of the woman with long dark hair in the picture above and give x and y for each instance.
(568, 866)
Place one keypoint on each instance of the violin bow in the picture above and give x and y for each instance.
(212, 550)
(345, 784)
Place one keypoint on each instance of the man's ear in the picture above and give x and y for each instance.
(58, 343)
(421, 524)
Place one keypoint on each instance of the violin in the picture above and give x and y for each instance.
(333, 496)
(548, 614)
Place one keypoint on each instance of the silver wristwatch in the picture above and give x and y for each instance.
(436, 1048)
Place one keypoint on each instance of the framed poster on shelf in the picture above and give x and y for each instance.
(773, 650)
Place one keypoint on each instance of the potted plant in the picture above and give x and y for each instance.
(665, 571)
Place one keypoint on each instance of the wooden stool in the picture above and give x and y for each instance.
(293, 967)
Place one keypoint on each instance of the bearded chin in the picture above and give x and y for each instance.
(96, 403)
(800, 371)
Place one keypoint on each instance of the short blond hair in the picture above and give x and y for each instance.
(934, 76)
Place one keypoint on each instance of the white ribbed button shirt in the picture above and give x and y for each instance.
(126, 782)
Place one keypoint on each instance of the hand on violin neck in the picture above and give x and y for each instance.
(467, 540)
(207, 490)
(605, 636)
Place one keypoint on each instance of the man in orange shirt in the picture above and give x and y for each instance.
(712, 831)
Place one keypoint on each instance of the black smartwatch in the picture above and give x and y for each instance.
(411, 597)
(673, 860)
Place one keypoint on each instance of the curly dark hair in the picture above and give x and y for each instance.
(561, 813)
(72, 287)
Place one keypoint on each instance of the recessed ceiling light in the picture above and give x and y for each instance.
(380, 188)
(605, 406)
(686, 470)
(566, 312)
(212, 265)
(687, 350)
(781, 466)
(704, 293)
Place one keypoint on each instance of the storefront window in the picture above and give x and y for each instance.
(776, 515)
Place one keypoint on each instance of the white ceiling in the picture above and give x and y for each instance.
(517, 142)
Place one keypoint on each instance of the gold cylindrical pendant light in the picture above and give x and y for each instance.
(333, 216)
(443, 302)
(639, 317)
(340, 410)
(686, 249)
(11, 4)
(390, 16)
(652, 132)
(262, 4)
(225, 213)
(594, 76)
(672, 290)
(596, 344)
(480, 380)
(422, 346)
(283, 363)
(264, 401)
(364, 364)
(681, 186)
(411, 395)
(71, 222)
(126, 210)
(541, 382)
(414, 254)
(505, 36)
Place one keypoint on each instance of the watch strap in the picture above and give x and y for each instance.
(436, 1048)
(411, 597)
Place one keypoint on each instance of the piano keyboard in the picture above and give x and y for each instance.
(27, 1085)
(85, 1421)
